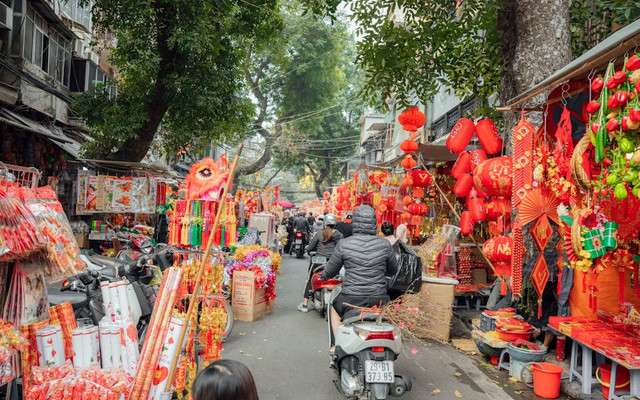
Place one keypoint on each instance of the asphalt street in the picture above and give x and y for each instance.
(287, 353)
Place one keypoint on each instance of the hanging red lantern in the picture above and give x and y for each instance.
(341, 189)
(462, 165)
(418, 192)
(407, 200)
(405, 217)
(466, 223)
(497, 207)
(408, 163)
(418, 209)
(412, 119)
(420, 178)
(498, 250)
(478, 193)
(476, 209)
(463, 186)
(460, 135)
(407, 181)
(409, 146)
(493, 176)
(489, 136)
(477, 156)
(339, 206)
(326, 195)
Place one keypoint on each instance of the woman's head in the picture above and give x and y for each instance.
(386, 228)
(225, 380)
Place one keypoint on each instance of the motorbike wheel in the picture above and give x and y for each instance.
(229, 325)
(300, 252)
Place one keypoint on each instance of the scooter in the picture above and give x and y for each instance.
(299, 244)
(365, 350)
(321, 289)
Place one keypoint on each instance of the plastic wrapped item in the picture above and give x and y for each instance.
(20, 235)
(409, 275)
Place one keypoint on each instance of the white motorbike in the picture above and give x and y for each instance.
(365, 350)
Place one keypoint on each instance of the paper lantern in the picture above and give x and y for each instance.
(462, 165)
(409, 146)
(407, 181)
(476, 209)
(498, 250)
(418, 192)
(477, 156)
(460, 135)
(408, 163)
(466, 223)
(420, 178)
(418, 209)
(326, 195)
(478, 193)
(412, 119)
(489, 136)
(407, 200)
(463, 186)
(493, 176)
(497, 207)
(406, 217)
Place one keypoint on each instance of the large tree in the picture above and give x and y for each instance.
(179, 68)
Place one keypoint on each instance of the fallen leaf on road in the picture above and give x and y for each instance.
(518, 392)
(241, 351)
(513, 379)
(458, 394)
(266, 340)
(259, 358)
(458, 374)
(242, 333)
(436, 391)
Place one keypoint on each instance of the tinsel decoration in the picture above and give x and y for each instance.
(522, 160)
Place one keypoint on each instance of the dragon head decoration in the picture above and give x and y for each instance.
(206, 180)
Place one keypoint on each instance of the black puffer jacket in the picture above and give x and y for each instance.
(324, 249)
(366, 258)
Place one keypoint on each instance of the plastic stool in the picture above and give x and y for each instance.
(583, 372)
(502, 363)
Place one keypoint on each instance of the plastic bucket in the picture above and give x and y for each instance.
(622, 378)
(546, 380)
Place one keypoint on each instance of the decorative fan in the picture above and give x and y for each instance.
(536, 204)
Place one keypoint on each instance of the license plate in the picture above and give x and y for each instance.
(378, 371)
(299, 241)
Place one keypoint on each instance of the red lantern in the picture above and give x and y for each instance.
(412, 119)
(497, 207)
(460, 135)
(326, 195)
(406, 217)
(493, 176)
(420, 178)
(341, 189)
(339, 206)
(477, 156)
(418, 209)
(476, 209)
(478, 193)
(407, 181)
(462, 165)
(463, 186)
(407, 200)
(409, 146)
(418, 192)
(408, 163)
(489, 136)
(499, 250)
(466, 223)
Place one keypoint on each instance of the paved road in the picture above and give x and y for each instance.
(287, 352)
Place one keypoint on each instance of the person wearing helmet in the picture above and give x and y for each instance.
(367, 259)
(301, 224)
(318, 225)
(323, 244)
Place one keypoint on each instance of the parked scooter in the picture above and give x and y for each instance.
(365, 350)
(321, 289)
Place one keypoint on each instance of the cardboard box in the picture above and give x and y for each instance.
(479, 276)
(247, 303)
(82, 240)
(438, 302)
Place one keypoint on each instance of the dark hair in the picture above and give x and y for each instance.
(225, 380)
(386, 228)
(327, 234)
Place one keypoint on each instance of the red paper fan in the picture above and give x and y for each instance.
(536, 204)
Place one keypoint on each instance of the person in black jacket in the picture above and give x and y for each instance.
(367, 260)
(345, 228)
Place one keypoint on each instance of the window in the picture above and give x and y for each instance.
(28, 40)
(78, 13)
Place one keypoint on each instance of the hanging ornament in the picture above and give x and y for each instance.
(497, 207)
(460, 135)
(522, 160)
(326, 195)
(539, 278)
(418, 193)
(516, 259)
(493, 176)
(466, 223)
(406, 200)
(409, 146)
(476, 209)
(463, 185)
(489, 136)
(541, 232)
(408, 163)
(407, 181)
(477, 156)
(462, 165)
(412, 119)
(420, 178)
(418, 209)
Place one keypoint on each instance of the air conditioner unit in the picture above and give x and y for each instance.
(6, 17)
(95, 58)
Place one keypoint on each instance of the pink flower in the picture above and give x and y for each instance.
(396, 306)
(416, 310)
(426, 291)
(414, 351)
(401, 325)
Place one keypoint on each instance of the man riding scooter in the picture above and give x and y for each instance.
(301, 226)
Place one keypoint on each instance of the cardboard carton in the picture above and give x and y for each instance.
(438, 301)
(82, 240)
(247, 303)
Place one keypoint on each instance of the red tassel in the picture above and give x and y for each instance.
(503, 288)
(584, 283)
(595, 304)
(591, 301)
(539, 310)
(621, 287)
(559, 283)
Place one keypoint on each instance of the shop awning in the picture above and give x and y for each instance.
(433, 153)
(155, 169)
(614, 47)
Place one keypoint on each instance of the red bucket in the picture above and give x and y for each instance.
(622, 379)
(546, 380)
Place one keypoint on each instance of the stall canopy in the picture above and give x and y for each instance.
(286, 204)
(431, 153)
(156, 169)
(615, 46)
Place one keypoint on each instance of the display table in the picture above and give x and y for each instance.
(468, 293)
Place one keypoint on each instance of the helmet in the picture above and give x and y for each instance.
(321, 218)
(303, 213)
(330, 219)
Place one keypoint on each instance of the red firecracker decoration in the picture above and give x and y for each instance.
(489, 136)
(460, 135)
(409, 146)
(412, 119)
(516, 259)
(462, 165)
(463, 185)
(408, 163)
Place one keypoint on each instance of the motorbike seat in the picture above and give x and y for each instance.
(318, 268)
(77, 300)
(353, 316)
(108, 264)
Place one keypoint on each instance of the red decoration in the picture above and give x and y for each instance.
(407, 181)
(462, 165)
(625, 213)
(418, 209)
(460, 135)
(516, 259)
(420, 178)
(489, 136)
(408, 163)
(463, 186)
(541, 232)
(409, 146)
(406, 217)
(476, 209)
(326, 195)
(412, 119)
(498, 250)
(418, 192)
(407, 200)
(493, 176)
(477, 156)
(539, 278)
(497, 207)
(466, 223)
(522, 163)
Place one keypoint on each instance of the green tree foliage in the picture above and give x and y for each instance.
(179, 68)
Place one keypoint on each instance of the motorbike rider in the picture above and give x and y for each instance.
(318, 226)
(367, 259)
(301, 224)
(323, 244)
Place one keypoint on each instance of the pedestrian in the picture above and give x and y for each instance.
(311, 218)
(401, 233)
(225, 380)
(344, 227)
(387, 232)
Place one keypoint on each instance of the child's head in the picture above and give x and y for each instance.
(225, 380)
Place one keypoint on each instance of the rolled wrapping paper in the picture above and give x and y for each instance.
(610, 235)
(134, 304)
(86, 346)
(106, 299)
(50, 346)
(67, 321)
(169, 349)
(110, 344)
(128, 334)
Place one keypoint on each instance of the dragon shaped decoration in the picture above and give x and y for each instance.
(206, 180)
